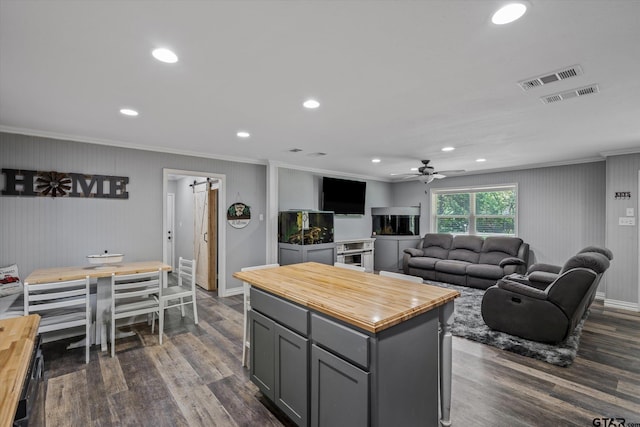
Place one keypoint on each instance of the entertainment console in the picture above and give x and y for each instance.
(357, 252)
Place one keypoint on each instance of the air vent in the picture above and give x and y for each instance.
(574, 93)
(554, 76)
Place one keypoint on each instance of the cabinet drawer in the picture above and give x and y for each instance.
(286, 313)
(350, 344)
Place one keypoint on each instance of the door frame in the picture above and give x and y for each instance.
(222, 232)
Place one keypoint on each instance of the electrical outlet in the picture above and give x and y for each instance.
(630, 212)
(626, 220)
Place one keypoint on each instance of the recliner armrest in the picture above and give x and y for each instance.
(549, 268)
(522, 289)
(542, 277)
(511, 261)
(414, 252)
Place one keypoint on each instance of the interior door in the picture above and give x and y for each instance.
(170, 237)
(205, 236)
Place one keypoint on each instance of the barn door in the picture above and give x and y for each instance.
(206, 236)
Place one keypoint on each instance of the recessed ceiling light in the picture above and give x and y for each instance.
(311, 104)
(128, 112)
(448, 148)
(509, 13)
(165, 55)
(481, 160)
(375, 160)
(243, 134)
(414, 169)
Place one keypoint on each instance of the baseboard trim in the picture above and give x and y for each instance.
(600, 296)
(625, 305)
(234, 291)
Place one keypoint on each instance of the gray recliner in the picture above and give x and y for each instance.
(550, 314)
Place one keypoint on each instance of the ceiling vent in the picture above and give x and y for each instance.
(574, 93)
(554, 76)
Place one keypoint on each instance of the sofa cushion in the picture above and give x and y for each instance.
(485, 271)
(452, 266)
(436, 245)
(466, 248)
(426, 263)
(495, 249)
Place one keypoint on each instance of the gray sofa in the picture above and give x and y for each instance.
(527, 307)
(466, 260)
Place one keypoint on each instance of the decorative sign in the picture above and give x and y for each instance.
(239, 215)
(64, 184)
(623, 195)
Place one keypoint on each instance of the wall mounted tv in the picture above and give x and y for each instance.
(342, 196)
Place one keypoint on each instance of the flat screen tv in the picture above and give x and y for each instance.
(343, 196)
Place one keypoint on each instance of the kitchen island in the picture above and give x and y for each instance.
(331, 346)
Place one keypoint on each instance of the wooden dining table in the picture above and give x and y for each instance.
(103, 275)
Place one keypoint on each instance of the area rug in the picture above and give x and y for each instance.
(468, 323)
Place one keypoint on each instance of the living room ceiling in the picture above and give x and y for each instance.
(396, 80)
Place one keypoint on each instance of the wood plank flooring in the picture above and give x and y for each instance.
(195, 378)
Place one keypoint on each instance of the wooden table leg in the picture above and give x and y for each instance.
(446, 320)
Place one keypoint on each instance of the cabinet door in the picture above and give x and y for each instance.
(292, 374)
(386, 255)
(262, 353)
(339, 391)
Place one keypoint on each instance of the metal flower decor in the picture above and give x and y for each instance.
(53, 184)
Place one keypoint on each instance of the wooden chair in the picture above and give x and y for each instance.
(247, 306)
(134, 295)
(186, 288)
(61, 305)
(348, 266)
(415, 279)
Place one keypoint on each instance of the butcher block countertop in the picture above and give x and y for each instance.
(365, 300)
(17, 338)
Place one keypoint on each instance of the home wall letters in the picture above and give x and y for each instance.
(63, 184)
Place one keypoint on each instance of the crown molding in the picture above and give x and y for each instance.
(120, 144)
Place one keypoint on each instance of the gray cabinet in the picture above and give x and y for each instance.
(340, 386)
(279, 354)
(324, 253)
(323, 372)
(389, 251)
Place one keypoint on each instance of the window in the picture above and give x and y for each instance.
(481, 210)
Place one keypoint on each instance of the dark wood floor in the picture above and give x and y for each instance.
(195, 378)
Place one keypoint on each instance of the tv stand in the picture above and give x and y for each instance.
(357, 252)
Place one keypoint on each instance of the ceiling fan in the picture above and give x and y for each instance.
(427, 173)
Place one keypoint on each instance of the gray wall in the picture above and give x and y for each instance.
(39, 232)
(302, 190)
(622, 175)
(560, 209)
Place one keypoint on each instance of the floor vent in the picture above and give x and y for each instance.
(573, 93)
(565, 73)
